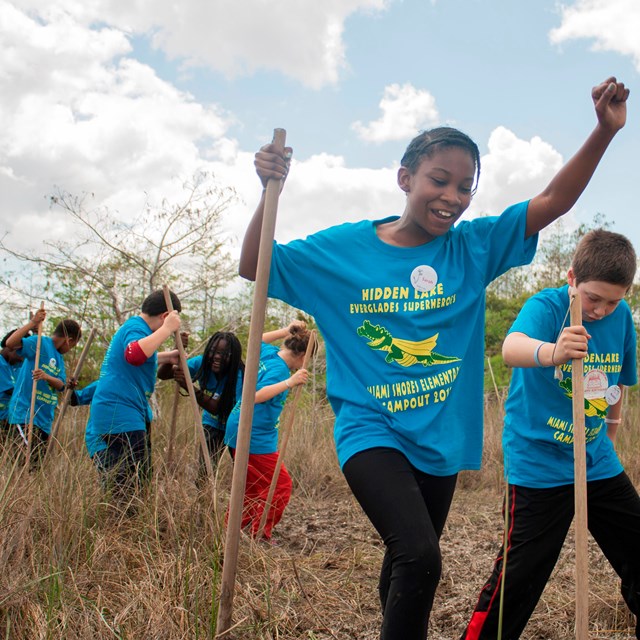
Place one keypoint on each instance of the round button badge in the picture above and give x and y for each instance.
(424, 278)
(613, 394)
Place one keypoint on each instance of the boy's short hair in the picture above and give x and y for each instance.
(68, 329)
(604, 256)
(154, 304)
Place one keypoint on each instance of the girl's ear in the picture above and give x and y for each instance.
(404, 179)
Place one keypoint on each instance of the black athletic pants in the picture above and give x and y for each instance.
(125, 465)
(538, 524)
(408, 508)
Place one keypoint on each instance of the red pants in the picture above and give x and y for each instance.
(259, 474)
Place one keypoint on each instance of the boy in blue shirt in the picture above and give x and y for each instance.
(50, 374)
(400, 303)
(117, 435)
(538, 434)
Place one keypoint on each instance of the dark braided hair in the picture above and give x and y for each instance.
(428, 142)
(233, 367)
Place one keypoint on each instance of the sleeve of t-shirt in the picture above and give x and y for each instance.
(28, 347)
(194, 364)
(536, 320)
(299, 269)
(274, 370)
(132, 333)
(496, 244)
(85, 395)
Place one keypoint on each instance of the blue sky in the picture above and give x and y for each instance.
(121, 99)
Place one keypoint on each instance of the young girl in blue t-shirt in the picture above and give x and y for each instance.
(400, 304)
(273, 384)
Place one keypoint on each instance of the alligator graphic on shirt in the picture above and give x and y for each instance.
(404, 352)
(592, 407)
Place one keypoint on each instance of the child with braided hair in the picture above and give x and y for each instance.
(219, 373)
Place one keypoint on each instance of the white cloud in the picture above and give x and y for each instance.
(405, 111)
(513, 170)
(301, 39)
(78, 113)
(613, 24)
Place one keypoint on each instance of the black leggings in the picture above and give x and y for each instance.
(408, 508)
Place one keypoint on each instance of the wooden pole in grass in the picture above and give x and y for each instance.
(580, 484)
(192, 394)
(34, 389)
(174, 412)
(284, 438)
(227, 581)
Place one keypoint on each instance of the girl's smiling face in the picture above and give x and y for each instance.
(221, 355)
(438, 193)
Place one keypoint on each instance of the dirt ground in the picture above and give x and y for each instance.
(322, 576)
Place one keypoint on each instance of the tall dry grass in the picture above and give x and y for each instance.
(75, 566)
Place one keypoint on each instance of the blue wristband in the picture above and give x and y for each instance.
(536, 359)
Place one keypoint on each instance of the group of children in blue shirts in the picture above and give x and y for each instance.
(400, 303)
(48, 375)
(118, 430)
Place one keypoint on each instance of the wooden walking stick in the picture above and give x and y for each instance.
(580, 484)
(258, 310)
(34, 389)
(172, 425)
(68, 391)
(284, 438)
(192, 394)
(174, 413)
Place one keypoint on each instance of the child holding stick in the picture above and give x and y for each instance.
(10, 363)
(50, 375)
(273, 384)
(219, 372)
(117, 435)
(400, 303)
(538, 440)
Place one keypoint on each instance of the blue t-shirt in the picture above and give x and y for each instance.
(266, 415)
(538, 425)
(7, 383)
(121, 399)
(85, 395)
(214, 388)
(52, 363)
(404, 331)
